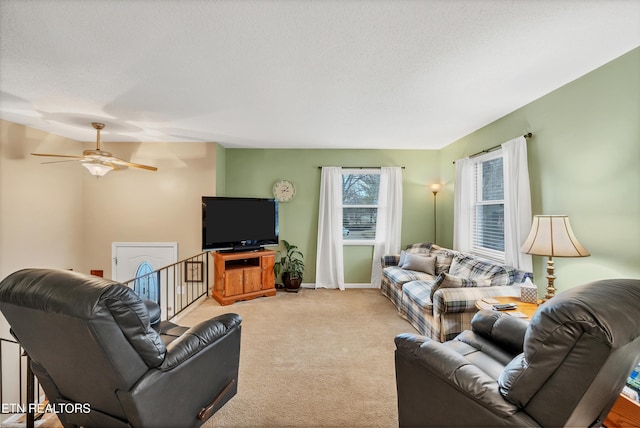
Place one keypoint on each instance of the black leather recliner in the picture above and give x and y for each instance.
(99, 359)
(564, 368)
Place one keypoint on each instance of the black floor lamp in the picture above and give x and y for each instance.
(435, 188)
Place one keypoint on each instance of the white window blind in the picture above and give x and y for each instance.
(360, 189)
(488, 218)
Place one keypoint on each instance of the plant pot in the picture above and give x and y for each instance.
(291, 284)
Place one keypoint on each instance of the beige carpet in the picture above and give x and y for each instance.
(317, 358)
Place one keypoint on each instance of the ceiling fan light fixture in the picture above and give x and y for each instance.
(97, 168)
(100, 162)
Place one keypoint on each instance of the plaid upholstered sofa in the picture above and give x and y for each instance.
(436, 288)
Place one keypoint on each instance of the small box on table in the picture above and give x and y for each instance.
(528, 292)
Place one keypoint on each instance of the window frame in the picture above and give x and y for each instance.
(359, 171)
(488, 253)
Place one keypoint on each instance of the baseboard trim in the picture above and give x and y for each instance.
(346, 286)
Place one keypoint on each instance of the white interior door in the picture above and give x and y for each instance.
(127, 257)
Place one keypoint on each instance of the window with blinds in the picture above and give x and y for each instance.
(488, 219)
(360, 205)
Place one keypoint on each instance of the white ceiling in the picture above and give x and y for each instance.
(296, 74)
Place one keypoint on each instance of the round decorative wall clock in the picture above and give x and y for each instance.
(284, 190)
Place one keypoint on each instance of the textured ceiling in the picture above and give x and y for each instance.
(296, 74)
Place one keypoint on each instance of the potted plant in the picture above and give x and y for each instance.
(291, 266)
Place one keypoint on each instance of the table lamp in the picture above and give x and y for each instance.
(551, 236)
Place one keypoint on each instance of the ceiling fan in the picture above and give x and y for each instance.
(97, 161)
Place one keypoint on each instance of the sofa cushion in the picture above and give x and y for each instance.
(420, 263)
(443, 257)
(420, 293)
(399, 276)
(445, 280)
(474, 268)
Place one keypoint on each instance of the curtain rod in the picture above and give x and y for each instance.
(360, 167)
(490, 149)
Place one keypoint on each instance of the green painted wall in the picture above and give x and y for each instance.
(584, 161)
(252, 172)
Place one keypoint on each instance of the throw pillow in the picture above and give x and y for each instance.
(402, 256)
(446, 280)
(420, 263)
(443, 258)
(474, 268)
(421, 247)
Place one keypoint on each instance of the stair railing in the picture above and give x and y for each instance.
(18, 386)
(175, 287)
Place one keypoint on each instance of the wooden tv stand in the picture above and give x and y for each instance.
(243, 275)
(624, 413)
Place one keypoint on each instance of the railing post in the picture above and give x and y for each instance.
(159, 291)
(31, 415)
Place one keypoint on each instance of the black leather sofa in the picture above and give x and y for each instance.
(564, 368)
(104, 359)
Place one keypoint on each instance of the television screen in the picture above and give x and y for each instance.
(238, 223)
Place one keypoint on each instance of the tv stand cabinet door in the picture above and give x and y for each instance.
(268, 276)
(252, 277)
(234, 282)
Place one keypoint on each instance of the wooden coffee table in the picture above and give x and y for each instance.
(526, 308)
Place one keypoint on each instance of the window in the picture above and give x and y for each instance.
(488, 218)
(492, 209)
(360, 189)
(145, 284)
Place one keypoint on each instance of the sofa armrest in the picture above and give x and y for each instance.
(502, 329)
(390, 260)
(447, 300)
(452, 374)
(197, 338)
(520, 276)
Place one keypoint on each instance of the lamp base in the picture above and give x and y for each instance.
(551, 290)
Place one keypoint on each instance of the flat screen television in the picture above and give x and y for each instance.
(238, 224)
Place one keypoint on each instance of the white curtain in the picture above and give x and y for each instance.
(329, 259)
(462, 205)
(389, 220)
(517, 203)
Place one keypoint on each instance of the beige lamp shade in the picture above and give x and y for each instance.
(551, 235)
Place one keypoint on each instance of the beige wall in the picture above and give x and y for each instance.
(40, 205)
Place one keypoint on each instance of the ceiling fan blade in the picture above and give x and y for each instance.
(111, 164)
(60, 161)
(57, 156)
(131, 164)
